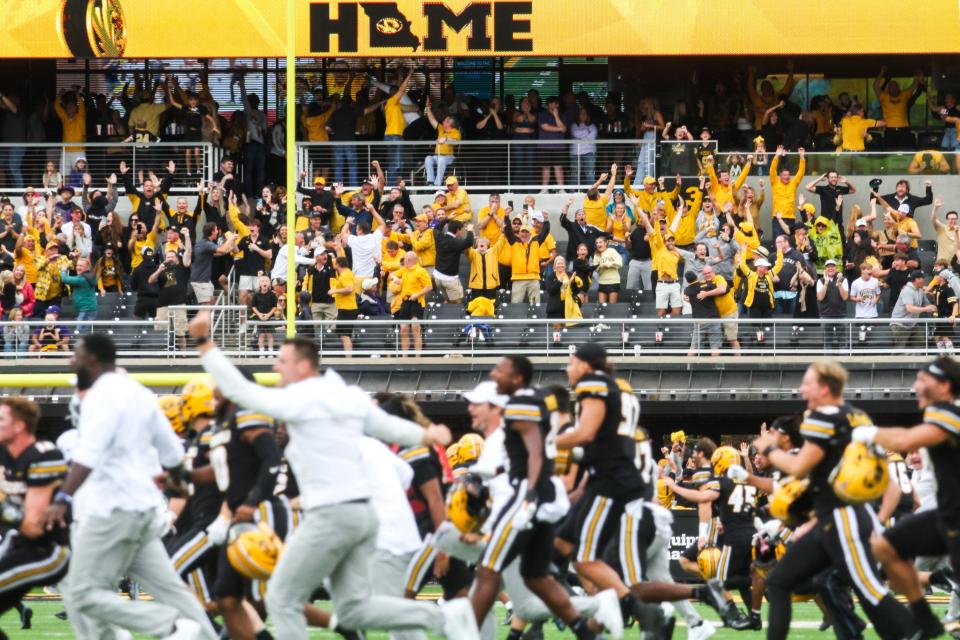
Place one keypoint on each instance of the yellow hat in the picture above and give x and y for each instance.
(451, 180)
(526, 227)
(649, 180)
(758, 140)
(422, 218)
(320, 180)
(821, 220)
(678, 436)
(808, 207)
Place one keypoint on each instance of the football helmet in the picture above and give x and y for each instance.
(468, 503)
(790, 502)
(722, 458)
(862, 474)
(466, 450)
(709, 562)
(253, 550)
(197, 400)
(171, 406)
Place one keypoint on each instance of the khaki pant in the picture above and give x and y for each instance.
(203, 291)
(525, 291)
(179, 320)
(323, 311)
(452, 290)
(128, 544)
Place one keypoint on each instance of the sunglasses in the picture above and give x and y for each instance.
(517, 223)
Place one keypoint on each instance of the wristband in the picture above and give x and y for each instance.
(64, 497)
(703, 530)
(531, 497)
(202, 340)
(766, 451)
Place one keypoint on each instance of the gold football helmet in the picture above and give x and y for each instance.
(790, 502)
(862, 474)
(197, 400)
(709, 562)
(722, 458)
(468, 449)
(468, 503)
(171, 405)
(253, 550)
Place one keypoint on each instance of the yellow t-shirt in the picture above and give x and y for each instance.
(393, 113)
(413, 281)
(665, 262)
(345, 301)
(425, 246)
(909, 225)
(463, 213)
(619, 230)
(446, 149)
(137, 257)
(823, 122)
(492, 231)
(316, 126)
(146, 117)
(853, 131)
(895, 110)
(596, 212)
(548, 245)
(725, 303)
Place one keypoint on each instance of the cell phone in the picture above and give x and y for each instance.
(510, 202)
(525, 206)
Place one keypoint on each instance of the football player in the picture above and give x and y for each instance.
(934, 532)
(31, 555)
(840, 535)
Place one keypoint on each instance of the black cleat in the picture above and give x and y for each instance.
(26, 618)
(945, 580)
(61, 616)
(535, 632)
(734, 618)
(651, 619)
(348, 634)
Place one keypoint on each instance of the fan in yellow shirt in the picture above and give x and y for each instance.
(456, 202)
(721, 191)
(424, 243)
(894, 101)
(783, 188)
(410, 285)
(648, 196)
(314, 120)
(767, 97)
(852, 132)
(343, 289)
(595, 204)
(491, 218)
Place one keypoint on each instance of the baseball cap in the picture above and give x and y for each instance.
(421, 218)
(319, 180)
(439, 193)
(830, 262)
(486, 393)
(916, 273)
(808, 207)
(526, 228)
(649, 180)
(861, 222)
(451, 180)
(536, 216)
(904, 208)
(369, 283)
(591, 353)
(761, 262)
(53, 309)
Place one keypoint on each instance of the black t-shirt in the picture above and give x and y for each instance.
(193, 117)
(610, 457)
(944, 298)
(896, 280)
(944, 112)
(252, 262)
(9, 241)
(828, 201)
(529, 405)
(343, 122)
(203, 505)
(264, 302)
(172, 285)
(706, 308)
(946, 458)
(39, 465)
(829, 428)
(639, 247)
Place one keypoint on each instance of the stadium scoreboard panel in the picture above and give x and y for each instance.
(178, 28)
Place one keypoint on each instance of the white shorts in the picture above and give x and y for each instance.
(668, 295)
(247, 283)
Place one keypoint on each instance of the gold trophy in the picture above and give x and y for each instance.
(93, 28)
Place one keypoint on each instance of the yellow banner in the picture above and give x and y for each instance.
(256, 28)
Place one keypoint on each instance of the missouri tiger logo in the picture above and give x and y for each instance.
(93, 28)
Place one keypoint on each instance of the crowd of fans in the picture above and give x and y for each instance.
(696, 248)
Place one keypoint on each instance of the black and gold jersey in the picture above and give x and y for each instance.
(40, 465)
(899, 474)
(610, 457)
(235, 462)
(829, 428)
(736, 504)
(946, 457)
(426, 466)
(530, 405)
(203, 504)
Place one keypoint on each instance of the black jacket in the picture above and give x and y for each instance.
(577, 235)
(914, 202)
(449, 249)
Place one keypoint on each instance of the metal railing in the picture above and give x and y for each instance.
(25, 165)
(476, 337)
(622, 337)
(519, 165)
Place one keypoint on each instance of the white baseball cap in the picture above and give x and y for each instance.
(486, 392)
(760, 262)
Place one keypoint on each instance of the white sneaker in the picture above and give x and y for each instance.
(609, 614)
(121, 634)
(701, 632)
(185, 629)
(459, 622)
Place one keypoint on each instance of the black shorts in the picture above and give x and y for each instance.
(458, 577)
(230, 583)
(593, 523)
(534, 545)
(195, 560)
(609, 288)
(344, 315)
(409, 310)
(25, 565)
(840, 539)
(736, 554)
(925, 534)
(629, 556)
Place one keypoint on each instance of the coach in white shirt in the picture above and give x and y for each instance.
(123, 435)
(326, 421)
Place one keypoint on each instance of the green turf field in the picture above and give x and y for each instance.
(806, 620)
